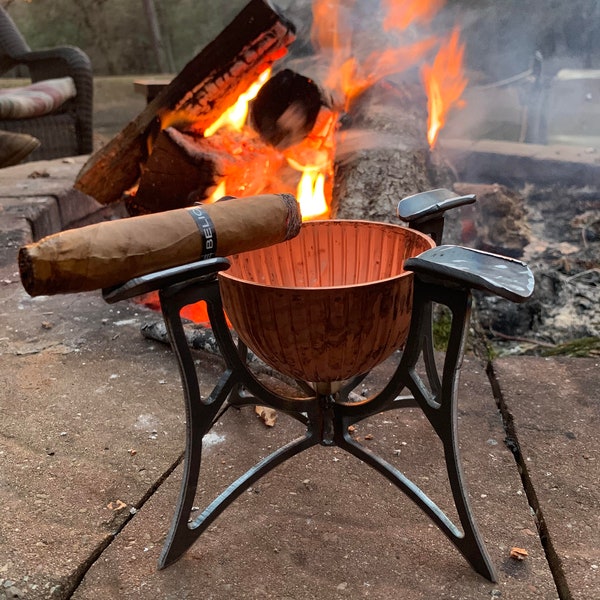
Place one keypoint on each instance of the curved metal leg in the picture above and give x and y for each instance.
(468, 541)
(441, 410)
(201, 414)
(400, 480)
(438, 401)
(199, 420)
(184, 533)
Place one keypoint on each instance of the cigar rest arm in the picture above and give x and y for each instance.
(425, 211)
(192, 273)
(465, 268)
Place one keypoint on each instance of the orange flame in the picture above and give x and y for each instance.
(348, 75)
(356, 77)
(351, 72)
(235, 116)
(402, 13)
(311, 194)
(445, 83)
(314, 158)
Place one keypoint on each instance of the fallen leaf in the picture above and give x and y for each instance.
(116, 505)
(518, 553)
(267, 414)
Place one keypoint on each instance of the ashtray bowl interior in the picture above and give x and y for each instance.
(328, 305)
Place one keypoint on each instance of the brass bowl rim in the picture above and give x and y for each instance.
(317, 288)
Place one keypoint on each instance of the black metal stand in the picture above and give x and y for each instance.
(443, 275)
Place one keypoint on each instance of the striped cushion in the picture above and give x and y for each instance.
(37, 99)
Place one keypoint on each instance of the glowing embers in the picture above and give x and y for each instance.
(249, 165)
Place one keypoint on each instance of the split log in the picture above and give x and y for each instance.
(175, 170)
(206, 86)
(185, 168)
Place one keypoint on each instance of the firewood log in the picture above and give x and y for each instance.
(207, 86)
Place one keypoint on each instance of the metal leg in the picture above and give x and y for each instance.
(327, 417)
(201, 415)
(184, 533)
(439, 403)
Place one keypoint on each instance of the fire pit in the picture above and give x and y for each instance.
(302, 306)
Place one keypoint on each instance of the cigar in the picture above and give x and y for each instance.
(112, 252)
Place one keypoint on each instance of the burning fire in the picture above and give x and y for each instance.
(403, 13)
(313, 158)
(445, 83)
(235, 116)
(349, 74)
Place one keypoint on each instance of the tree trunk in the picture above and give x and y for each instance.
(157, 43)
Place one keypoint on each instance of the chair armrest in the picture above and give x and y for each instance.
(55, 62)
(203, 270)
(455, 266)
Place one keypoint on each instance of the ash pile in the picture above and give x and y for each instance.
(556, 231)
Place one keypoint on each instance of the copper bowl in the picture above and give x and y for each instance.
(329, 304)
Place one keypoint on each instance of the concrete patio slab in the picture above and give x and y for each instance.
(93, 431)
(554, 408)
(326, 526)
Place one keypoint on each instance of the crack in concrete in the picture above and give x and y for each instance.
(81, 572)
(512, 443)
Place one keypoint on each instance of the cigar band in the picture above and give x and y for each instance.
(207, 229)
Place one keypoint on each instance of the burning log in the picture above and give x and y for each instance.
(176, 169)
(109, 253)
(213, 80)
(384, 154)
(286, 108)
(185, 168)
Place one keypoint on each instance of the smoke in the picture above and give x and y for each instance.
(501, 40)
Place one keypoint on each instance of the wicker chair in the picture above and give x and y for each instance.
(66, 131)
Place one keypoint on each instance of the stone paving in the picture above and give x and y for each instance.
(93, 432)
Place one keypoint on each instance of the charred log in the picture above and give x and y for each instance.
(286, 108)
(175, 169)
(498, 222)
(185, 168)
